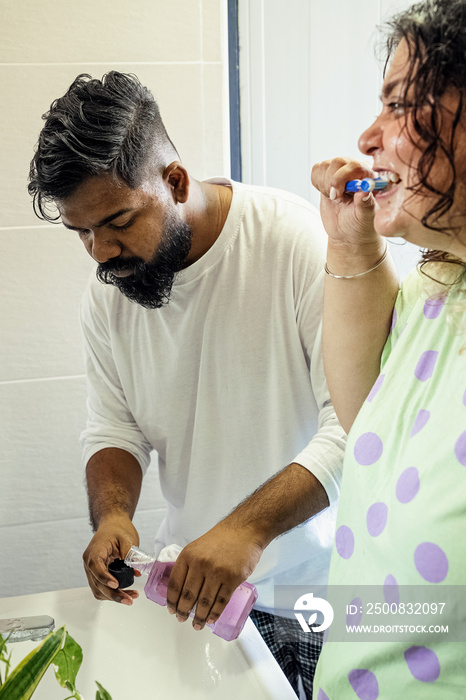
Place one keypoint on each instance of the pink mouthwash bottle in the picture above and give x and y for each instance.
(233, 618)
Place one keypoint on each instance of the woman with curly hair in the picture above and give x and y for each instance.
(396, 368)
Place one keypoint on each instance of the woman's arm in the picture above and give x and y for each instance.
(358, 310)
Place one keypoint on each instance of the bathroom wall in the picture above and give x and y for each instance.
(179, 51)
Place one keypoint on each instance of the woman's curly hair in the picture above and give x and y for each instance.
(435, 33)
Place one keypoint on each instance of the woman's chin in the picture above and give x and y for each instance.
(388, 227)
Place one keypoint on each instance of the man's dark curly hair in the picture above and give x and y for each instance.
(98, 127)
(435, 32)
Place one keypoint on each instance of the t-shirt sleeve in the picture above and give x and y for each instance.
(110, 422)
(323, 455)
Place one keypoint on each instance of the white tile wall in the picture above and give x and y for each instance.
(44, 269)
(47, 556)
(178, 50)
(96, 31)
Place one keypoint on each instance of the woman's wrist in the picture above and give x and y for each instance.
(358, 274)
(351, 259)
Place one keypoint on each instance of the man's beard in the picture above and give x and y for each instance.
(151, 283)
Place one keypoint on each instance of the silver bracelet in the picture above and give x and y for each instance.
(358, 274)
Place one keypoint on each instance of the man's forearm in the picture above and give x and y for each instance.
(286, 500)
(114, 480)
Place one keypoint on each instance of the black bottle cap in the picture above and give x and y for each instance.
(124, 574)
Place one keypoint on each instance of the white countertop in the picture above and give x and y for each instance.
(141, 652)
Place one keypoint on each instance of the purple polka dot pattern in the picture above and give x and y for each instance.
(464, 398)
(390, 590)
(321, 695)
(376, 519)
(407, 485)
(425, 366)
(419, 422)
(423, 664)
(355, 618)
(460, 449)
(394, 320)
(368, 449)
(344, 541)
(364, 683)
(431, 562)
(375, 389)
(433, 307)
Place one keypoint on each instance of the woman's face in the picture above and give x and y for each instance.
(396, 148)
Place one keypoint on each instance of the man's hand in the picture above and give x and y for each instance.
(112, 540)
(209, 569)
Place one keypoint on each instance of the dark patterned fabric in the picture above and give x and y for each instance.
(295, 651)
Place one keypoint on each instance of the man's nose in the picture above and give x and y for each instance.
(103, 247)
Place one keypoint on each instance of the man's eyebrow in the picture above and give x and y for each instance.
(103, 222)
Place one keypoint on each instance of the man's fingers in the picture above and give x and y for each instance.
(103, 585)
(175, 585)
(206, 574)
(208, 596)
(127, 596)
(189, 596)
(211, 605)
(98, 569)
(101, 591)
(111, 541)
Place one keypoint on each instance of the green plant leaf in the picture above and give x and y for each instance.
(4, 657)
(68, 662)
(101, 693)
(3, 642)
(25, 677)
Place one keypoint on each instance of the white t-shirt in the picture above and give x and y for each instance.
(225, 382)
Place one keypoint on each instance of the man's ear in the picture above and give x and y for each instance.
(177, 179)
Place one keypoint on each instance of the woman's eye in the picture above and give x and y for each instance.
(398, 108)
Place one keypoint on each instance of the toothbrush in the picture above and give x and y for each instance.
(367, 185)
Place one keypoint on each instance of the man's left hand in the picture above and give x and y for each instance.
(208, 570)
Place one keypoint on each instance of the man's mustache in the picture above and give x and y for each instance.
(119, 264)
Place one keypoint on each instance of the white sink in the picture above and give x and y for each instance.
(142, 653)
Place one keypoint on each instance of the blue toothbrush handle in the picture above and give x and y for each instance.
(368, 184)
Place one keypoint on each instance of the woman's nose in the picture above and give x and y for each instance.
(102, 247)
(371, 139)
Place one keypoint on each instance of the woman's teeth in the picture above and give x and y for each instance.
(388, 175)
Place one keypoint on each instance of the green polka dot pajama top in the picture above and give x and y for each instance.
(402, 514)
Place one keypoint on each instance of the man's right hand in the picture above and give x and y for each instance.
(112, 540)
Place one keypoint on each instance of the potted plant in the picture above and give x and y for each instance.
(59, 649)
